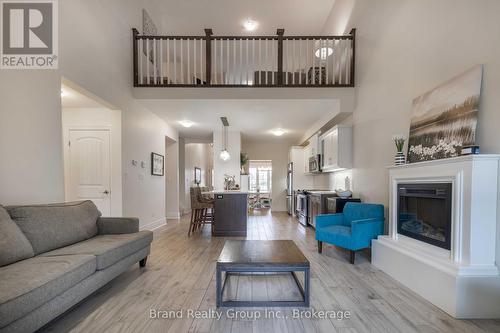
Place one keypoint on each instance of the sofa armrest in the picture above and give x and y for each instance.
(325, 220)
(117, 225)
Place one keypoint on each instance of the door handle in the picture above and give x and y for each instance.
(105, 192)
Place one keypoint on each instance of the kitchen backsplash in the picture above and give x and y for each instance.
(332, 181)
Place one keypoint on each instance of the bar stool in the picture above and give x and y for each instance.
(201, 210)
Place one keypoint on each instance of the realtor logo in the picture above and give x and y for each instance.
(29, 34)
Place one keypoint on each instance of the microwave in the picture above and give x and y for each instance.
(315, 163)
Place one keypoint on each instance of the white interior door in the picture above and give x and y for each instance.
(89, 167)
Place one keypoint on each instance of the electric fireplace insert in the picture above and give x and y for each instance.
(424, 212)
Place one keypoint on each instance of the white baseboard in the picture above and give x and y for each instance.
(154, 225)
(173, 215)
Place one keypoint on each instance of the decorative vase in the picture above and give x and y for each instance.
(399, 158)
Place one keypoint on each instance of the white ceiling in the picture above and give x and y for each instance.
(255, 119)
(225, 17)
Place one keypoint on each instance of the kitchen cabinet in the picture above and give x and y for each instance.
(230, 212)
(307, 155)
(336, 146)
(300, 179)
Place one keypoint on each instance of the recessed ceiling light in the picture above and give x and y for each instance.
(324, 52)
(63, 93)
(278, 132)
(250, 25)
(186, 123)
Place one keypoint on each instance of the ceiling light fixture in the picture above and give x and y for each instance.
(324, 52)
(224, 154)
(186, 123)
(278, 132)
(250, 25)
(63, 93)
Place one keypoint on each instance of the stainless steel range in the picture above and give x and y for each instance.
(302, 205)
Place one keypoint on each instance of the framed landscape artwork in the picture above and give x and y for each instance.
(148, 29)
(444, 119)
(157, 164)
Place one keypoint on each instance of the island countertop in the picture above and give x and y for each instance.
(225, 192)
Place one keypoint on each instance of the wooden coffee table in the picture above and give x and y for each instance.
(257, 256)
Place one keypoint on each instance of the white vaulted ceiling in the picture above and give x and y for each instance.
(225, 17)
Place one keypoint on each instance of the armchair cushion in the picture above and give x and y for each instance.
(339, 235)
(329, 220)
(354, 229)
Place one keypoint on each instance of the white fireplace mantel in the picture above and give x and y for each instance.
(463, 281)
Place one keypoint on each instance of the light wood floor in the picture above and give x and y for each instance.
(180, 274)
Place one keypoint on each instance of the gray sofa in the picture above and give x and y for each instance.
(54, 256)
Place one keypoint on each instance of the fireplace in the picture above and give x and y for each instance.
(424, 212)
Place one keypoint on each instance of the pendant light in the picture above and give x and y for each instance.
(224, 154)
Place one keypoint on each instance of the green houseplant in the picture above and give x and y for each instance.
(243, 162)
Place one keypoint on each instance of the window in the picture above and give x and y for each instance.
(260, 176)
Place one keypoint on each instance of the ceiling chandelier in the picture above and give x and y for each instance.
(224, 154)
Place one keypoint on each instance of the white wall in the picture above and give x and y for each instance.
(96, 44)
(277, 151)
(196, 155)
(91, 118)
(31, 168)
(172, 179)
(404, 48)
(95, 53)
(182, 176)
(231, 167)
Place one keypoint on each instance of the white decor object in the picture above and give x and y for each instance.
(399, 158)
(463, 281)
(399, 141)
(336, 146)
(344, 194)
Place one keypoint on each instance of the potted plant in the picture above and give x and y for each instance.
(399, 141)
(243, 162)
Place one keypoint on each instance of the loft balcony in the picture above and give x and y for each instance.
(244, 61)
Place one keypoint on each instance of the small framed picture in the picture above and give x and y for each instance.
(197, 175)
(157, 164)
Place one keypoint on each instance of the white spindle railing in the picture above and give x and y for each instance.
(243, 61)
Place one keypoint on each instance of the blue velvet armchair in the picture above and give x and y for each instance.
(353, 229)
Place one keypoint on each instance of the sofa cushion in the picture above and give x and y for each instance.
(49, 227)
(14, 246)
(27, 284)
(108, 249)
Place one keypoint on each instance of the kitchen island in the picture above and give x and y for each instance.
(230, 213)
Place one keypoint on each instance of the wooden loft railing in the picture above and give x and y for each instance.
(244, 61)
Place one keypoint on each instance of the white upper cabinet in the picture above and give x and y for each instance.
(307, 154)
(336, 146)
(315, 146)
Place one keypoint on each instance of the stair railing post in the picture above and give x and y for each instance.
(208, 55)
(135, 33)
(280, 33)
(353, 59)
